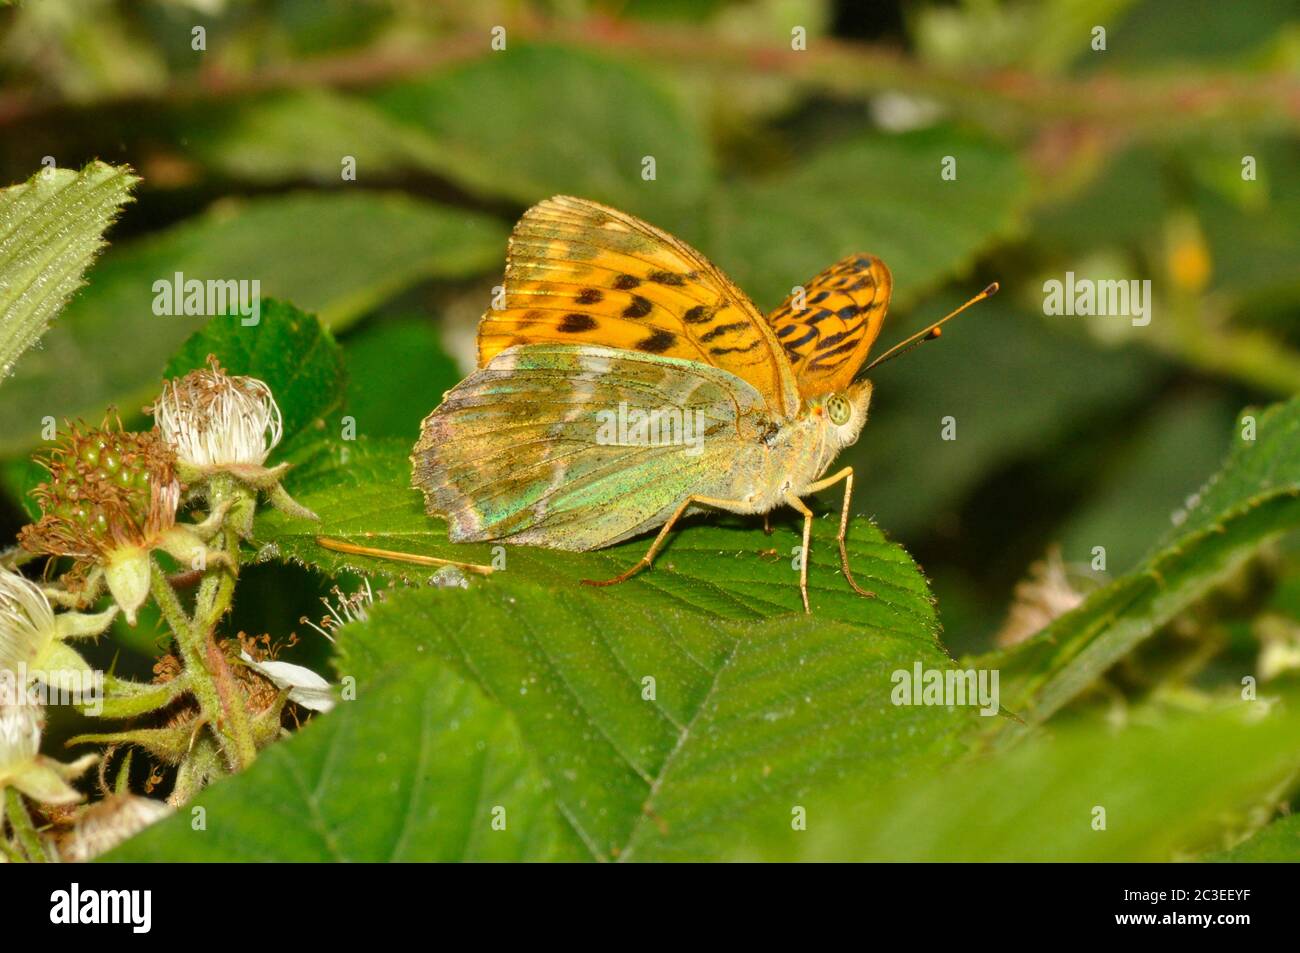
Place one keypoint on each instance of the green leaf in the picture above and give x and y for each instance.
(1166, 792)
(411, 770)
(783, 701)
(20, 475)
(1278, 843)
(738, 722)
(334, 255)
(398, 373)
(500, 129)
(1254, 498)
(1206, 33)
(51, 228)
(291, 352)
(305, 134)
(878, 194)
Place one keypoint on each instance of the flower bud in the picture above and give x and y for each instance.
(126, 571)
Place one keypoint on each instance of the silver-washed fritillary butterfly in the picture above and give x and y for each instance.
(627, 382)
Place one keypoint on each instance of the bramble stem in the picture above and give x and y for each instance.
(12, 853)
(127, 699)
(199, 769)
(216, 592)
(224, 712)
(21, 822)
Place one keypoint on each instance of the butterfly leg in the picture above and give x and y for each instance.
(802, 507)
(644, 562)
(847, 476)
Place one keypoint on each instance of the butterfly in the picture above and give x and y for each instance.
(624, 382)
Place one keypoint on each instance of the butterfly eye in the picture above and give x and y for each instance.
(838, 409)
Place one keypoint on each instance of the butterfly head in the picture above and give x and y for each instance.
(843, 413)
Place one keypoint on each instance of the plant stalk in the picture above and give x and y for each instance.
(207, 675)
(21, 822)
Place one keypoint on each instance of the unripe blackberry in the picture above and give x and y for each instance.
(108, 488)
(110, 500)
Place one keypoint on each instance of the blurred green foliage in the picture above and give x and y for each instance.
(1171, 155)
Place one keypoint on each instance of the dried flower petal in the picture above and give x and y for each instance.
(215, 421)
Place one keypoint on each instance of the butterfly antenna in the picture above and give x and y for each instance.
(927, 334)
(342, 546)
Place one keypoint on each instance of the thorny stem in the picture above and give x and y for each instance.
(218, 586)
(126, 699)
(215, 595)
(203, 764)
(11, 853)
(203, 677)
(21, 822)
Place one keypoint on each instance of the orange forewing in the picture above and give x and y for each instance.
(581, 273)
(827, 338)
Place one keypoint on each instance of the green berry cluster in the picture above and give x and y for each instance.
(100, 490)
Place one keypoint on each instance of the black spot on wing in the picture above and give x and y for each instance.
(639, 307)
(808, 335)
(626, 282)
(700, 314)
(824, 358)
(658, 342)
(589, 296)
(835, 339)
(575, 323)
(722, 329)
(669, 278)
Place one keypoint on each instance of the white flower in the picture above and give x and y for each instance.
(32, 635)
(215, 421)
(20, 736)
(24, 768)
(306, 688)
(26, 621)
